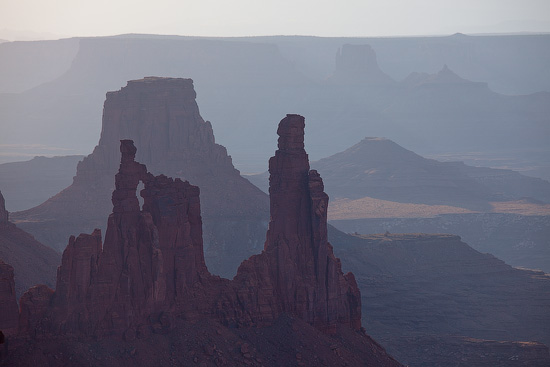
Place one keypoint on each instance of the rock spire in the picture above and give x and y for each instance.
(161, 117)
(151, 265)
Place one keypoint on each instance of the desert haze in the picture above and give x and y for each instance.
(192, 184)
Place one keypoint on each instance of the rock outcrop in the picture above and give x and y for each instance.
(151, 266)
(162, 117)
(150, 277)
(297, 268)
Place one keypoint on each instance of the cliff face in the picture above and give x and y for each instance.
(162, 117)
(151, 267)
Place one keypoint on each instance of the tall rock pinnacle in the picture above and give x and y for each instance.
(150, 259)
(152, 264)
(309, 282)
(149, 275)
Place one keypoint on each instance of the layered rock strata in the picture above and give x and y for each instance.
(151, 270)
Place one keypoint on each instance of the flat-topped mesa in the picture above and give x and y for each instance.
(162, 117)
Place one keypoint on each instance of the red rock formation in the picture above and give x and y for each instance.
(149, 260)
(150, 275)
(162, 117)
(8, 305)
(297, 271)
(151, 266)
(357, 65)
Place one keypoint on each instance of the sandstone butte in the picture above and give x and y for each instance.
(150, 271)
(162, 117)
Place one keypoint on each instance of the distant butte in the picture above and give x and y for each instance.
(162, 117)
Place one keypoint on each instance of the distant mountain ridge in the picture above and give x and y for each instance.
(380, 168)
(246, 83)
(444, 76)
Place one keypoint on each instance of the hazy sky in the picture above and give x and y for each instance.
(288, 17)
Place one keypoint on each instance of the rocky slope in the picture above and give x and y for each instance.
(33, 262)
(149, 277)
(520, 240)
(427, 297)
(162, 117)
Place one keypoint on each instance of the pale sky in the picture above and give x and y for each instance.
(67, 18)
